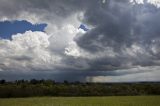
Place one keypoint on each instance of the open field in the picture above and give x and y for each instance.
(83, 101)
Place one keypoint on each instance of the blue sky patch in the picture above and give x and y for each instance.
(84, 27)
(8, 28)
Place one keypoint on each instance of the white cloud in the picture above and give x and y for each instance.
(26, 51)
(154, 2)
(45, 51)
(72, 50)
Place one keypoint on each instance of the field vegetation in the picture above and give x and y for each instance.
(83, 101)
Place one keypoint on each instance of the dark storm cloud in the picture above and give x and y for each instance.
(131, 30)
(22, 58)
(119, 25)
(114, 21)
(57, 76)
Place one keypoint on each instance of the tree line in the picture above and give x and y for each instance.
(32, 88)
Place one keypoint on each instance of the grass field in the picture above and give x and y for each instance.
(83, 101)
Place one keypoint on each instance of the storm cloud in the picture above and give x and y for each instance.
(122, 41)
(130, 31)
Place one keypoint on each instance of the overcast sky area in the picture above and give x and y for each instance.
(80, 40)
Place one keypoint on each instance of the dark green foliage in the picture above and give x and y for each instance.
(2, 81)
(22, 88)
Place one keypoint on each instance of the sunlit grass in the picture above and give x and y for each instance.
(83, 101)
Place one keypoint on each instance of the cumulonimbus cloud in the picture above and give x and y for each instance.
(122, 35)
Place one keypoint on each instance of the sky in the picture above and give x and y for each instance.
(80, 40)
(9, 28)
